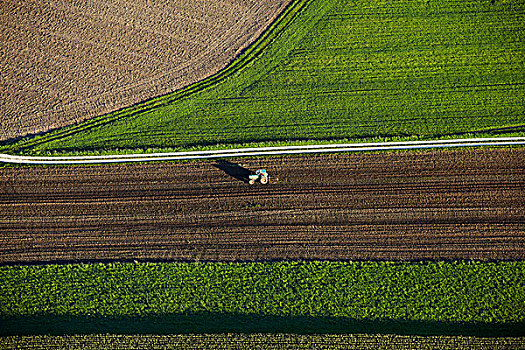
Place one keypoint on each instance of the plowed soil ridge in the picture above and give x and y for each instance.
(467, 204)
(63, 62)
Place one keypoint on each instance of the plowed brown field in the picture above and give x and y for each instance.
(407, 206)
(63, 61)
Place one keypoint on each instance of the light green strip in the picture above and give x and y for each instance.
(434, 291)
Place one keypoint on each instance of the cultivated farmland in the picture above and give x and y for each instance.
(429, 298)
(260, 341)
(332, 69)
(463, 204)
(410, 248)
(66, 61)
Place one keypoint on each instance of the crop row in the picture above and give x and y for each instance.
(259, 341)
(434, 291)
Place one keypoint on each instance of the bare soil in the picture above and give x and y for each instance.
(467, 204)
(64, 61)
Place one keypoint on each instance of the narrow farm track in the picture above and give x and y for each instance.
(263, 151)
(463, 204)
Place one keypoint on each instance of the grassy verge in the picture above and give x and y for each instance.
(320, 296)
(331, 69)
(221, 146)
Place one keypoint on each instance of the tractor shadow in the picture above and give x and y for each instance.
(234, 170)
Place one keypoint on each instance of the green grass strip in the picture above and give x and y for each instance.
(434, 291)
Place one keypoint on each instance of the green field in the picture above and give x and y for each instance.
(248, 297)
(338, 70)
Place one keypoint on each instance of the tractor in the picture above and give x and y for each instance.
(260, 175)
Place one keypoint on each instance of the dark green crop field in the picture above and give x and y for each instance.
(338, 70)
(337, 297)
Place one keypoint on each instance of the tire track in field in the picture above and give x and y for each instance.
(463, 204)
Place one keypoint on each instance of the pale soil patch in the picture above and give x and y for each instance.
(62, 61)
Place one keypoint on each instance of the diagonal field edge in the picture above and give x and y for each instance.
(294, 8)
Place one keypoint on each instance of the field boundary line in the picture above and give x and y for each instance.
(264, 151)
(239, 63)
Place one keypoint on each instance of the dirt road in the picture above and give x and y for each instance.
(467, 204)
(261, 151)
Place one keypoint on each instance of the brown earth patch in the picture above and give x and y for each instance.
(62, 61)
(467, 204)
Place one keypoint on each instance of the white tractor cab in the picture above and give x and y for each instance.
(260, 175)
